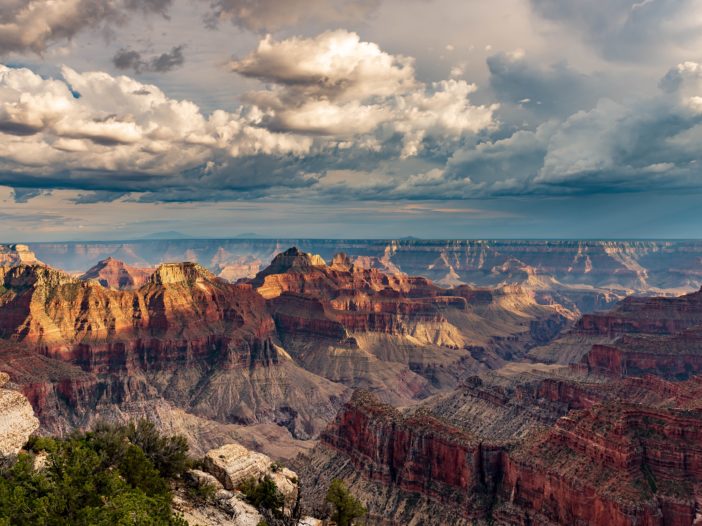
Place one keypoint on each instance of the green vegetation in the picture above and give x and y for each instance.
(111, 476)
(346, 507)
(264, 494)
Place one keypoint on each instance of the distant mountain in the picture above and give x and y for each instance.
(169, 234)
(249, 235)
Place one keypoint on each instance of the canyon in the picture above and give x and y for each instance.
(613, 435)
(537, 391)
(272, 358)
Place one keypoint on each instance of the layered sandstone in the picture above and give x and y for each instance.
(406, 467)
(403, 336)
(207, 346)
(612, 464)
(576, 454)
(641, 335)
(233, 464)
(11, 255)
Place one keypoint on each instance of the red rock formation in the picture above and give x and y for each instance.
(416, 453)
(645, 315)
(677, 357)
(402, 335)
(611, 463)
(186, 336)
(657, 335)
(116, 274)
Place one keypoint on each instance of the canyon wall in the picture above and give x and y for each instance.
(611, 463)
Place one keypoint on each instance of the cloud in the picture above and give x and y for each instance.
(545, 91)
(272, 15)
(625, 29)
(631, 146)
(640, 145)
(93, 131)
(331, 101)
(130, 59)
(33, 25)
(336, 84)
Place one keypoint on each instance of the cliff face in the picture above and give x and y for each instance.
(611, 462)
(186, 337)
(408, 469)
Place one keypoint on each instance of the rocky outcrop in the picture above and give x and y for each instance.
(11, 255)
(116, 274)
(17, 420)
(233, 464)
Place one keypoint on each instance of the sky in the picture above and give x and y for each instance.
(350, 118)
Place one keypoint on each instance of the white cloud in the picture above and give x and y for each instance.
(94, 121)
(336, 65)
(336, 84)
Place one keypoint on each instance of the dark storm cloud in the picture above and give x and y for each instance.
(545, 91)
(129, 59)
(626, 29)
(33, 25)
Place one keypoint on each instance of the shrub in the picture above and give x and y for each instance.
(263, 494)
(99, 478)
(346, 507)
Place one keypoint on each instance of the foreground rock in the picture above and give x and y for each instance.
(17, 420)
(225, 470)
(233, 464)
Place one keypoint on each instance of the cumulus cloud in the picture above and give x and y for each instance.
(131, 59)
(272, 15)
(629, 146)
(94, 131)
(33, 25)
(639, 145)
(336, 84)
